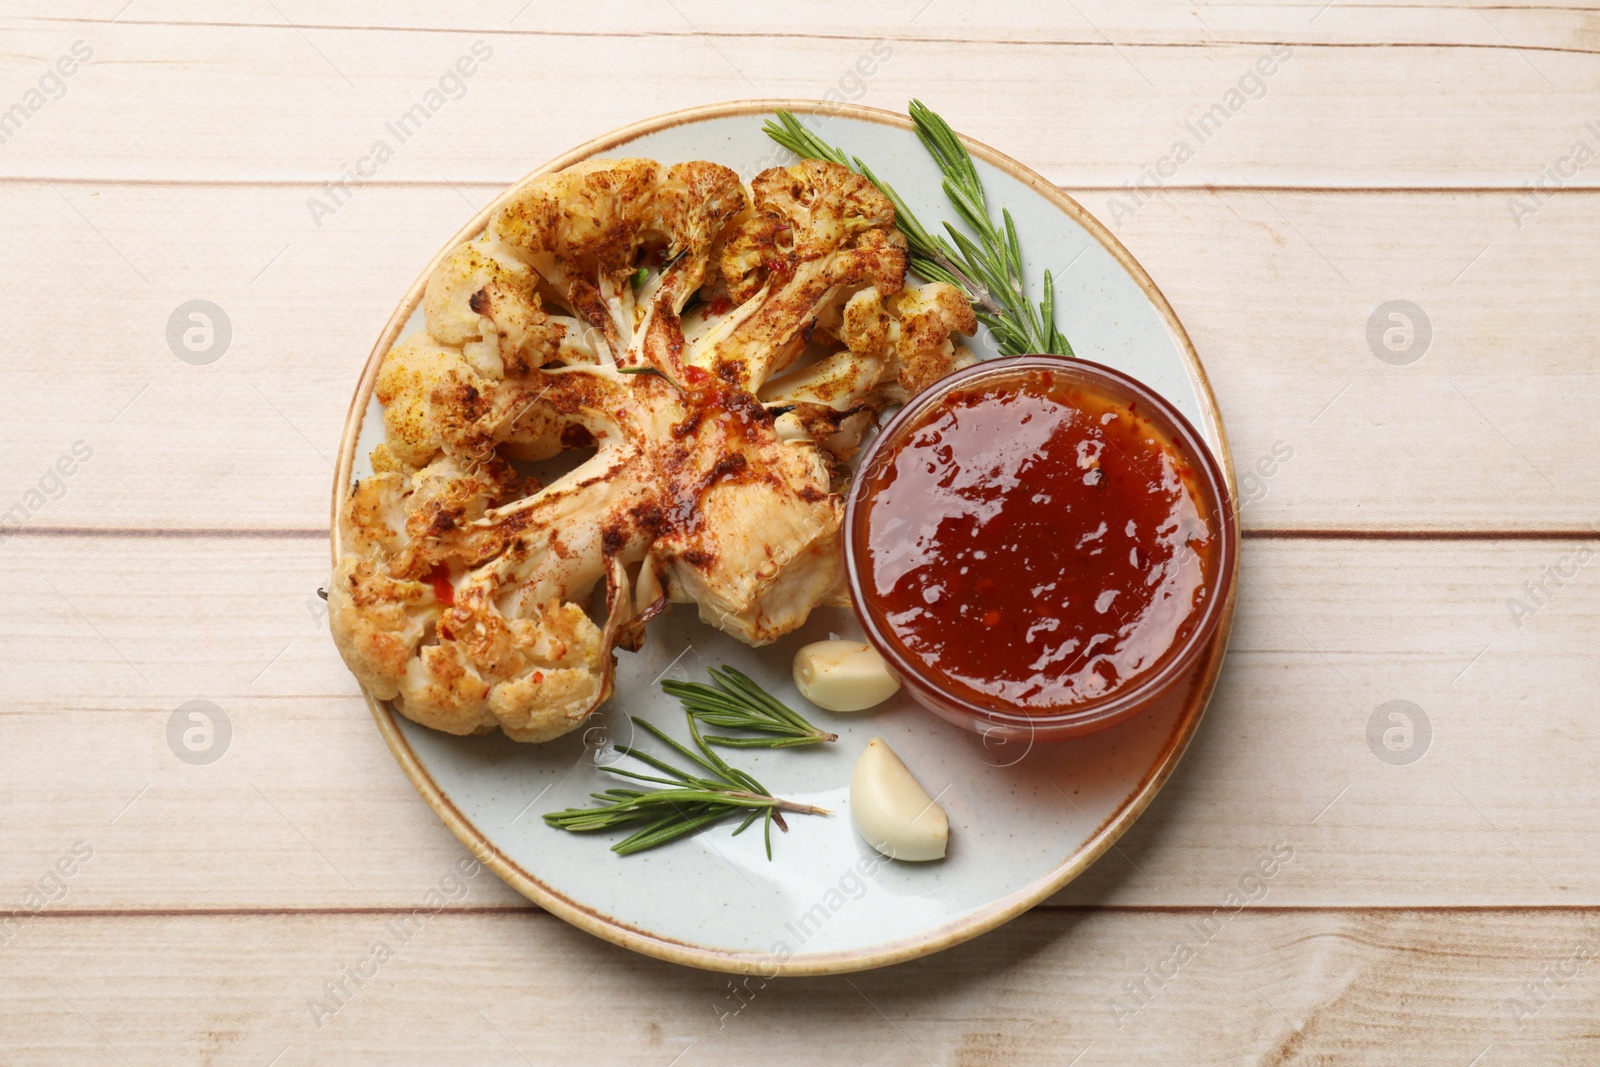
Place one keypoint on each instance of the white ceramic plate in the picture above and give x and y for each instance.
(1024, 820)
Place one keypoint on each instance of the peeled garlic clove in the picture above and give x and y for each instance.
(893, 812)
(843, 675)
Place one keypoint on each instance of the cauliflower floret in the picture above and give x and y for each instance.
(583, 228)
(484, 300)
(815, 230)
(909, 335)
(895, 349)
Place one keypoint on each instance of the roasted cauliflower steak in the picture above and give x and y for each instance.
(709, 354)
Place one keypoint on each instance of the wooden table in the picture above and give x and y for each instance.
(1421, 506)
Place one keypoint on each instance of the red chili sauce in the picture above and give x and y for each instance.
(1036, 543)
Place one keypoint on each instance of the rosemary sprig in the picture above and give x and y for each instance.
(736, 702)
(689, 801)
(988, 270)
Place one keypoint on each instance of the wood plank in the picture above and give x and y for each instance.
(1380, 988)
(1277, 290)
(105, 639)
(277, 101)
(1528, 24)
(1535, 24)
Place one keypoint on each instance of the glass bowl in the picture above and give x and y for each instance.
(991, 716)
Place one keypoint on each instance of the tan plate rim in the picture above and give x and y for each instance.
(968, 926)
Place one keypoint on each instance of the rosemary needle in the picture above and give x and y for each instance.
(650, 372)
(736, 702)
(989, 269)
(687, 802)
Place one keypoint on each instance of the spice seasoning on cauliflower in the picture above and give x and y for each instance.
(460, 594)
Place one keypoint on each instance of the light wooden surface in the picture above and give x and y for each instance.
(1446, 911)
